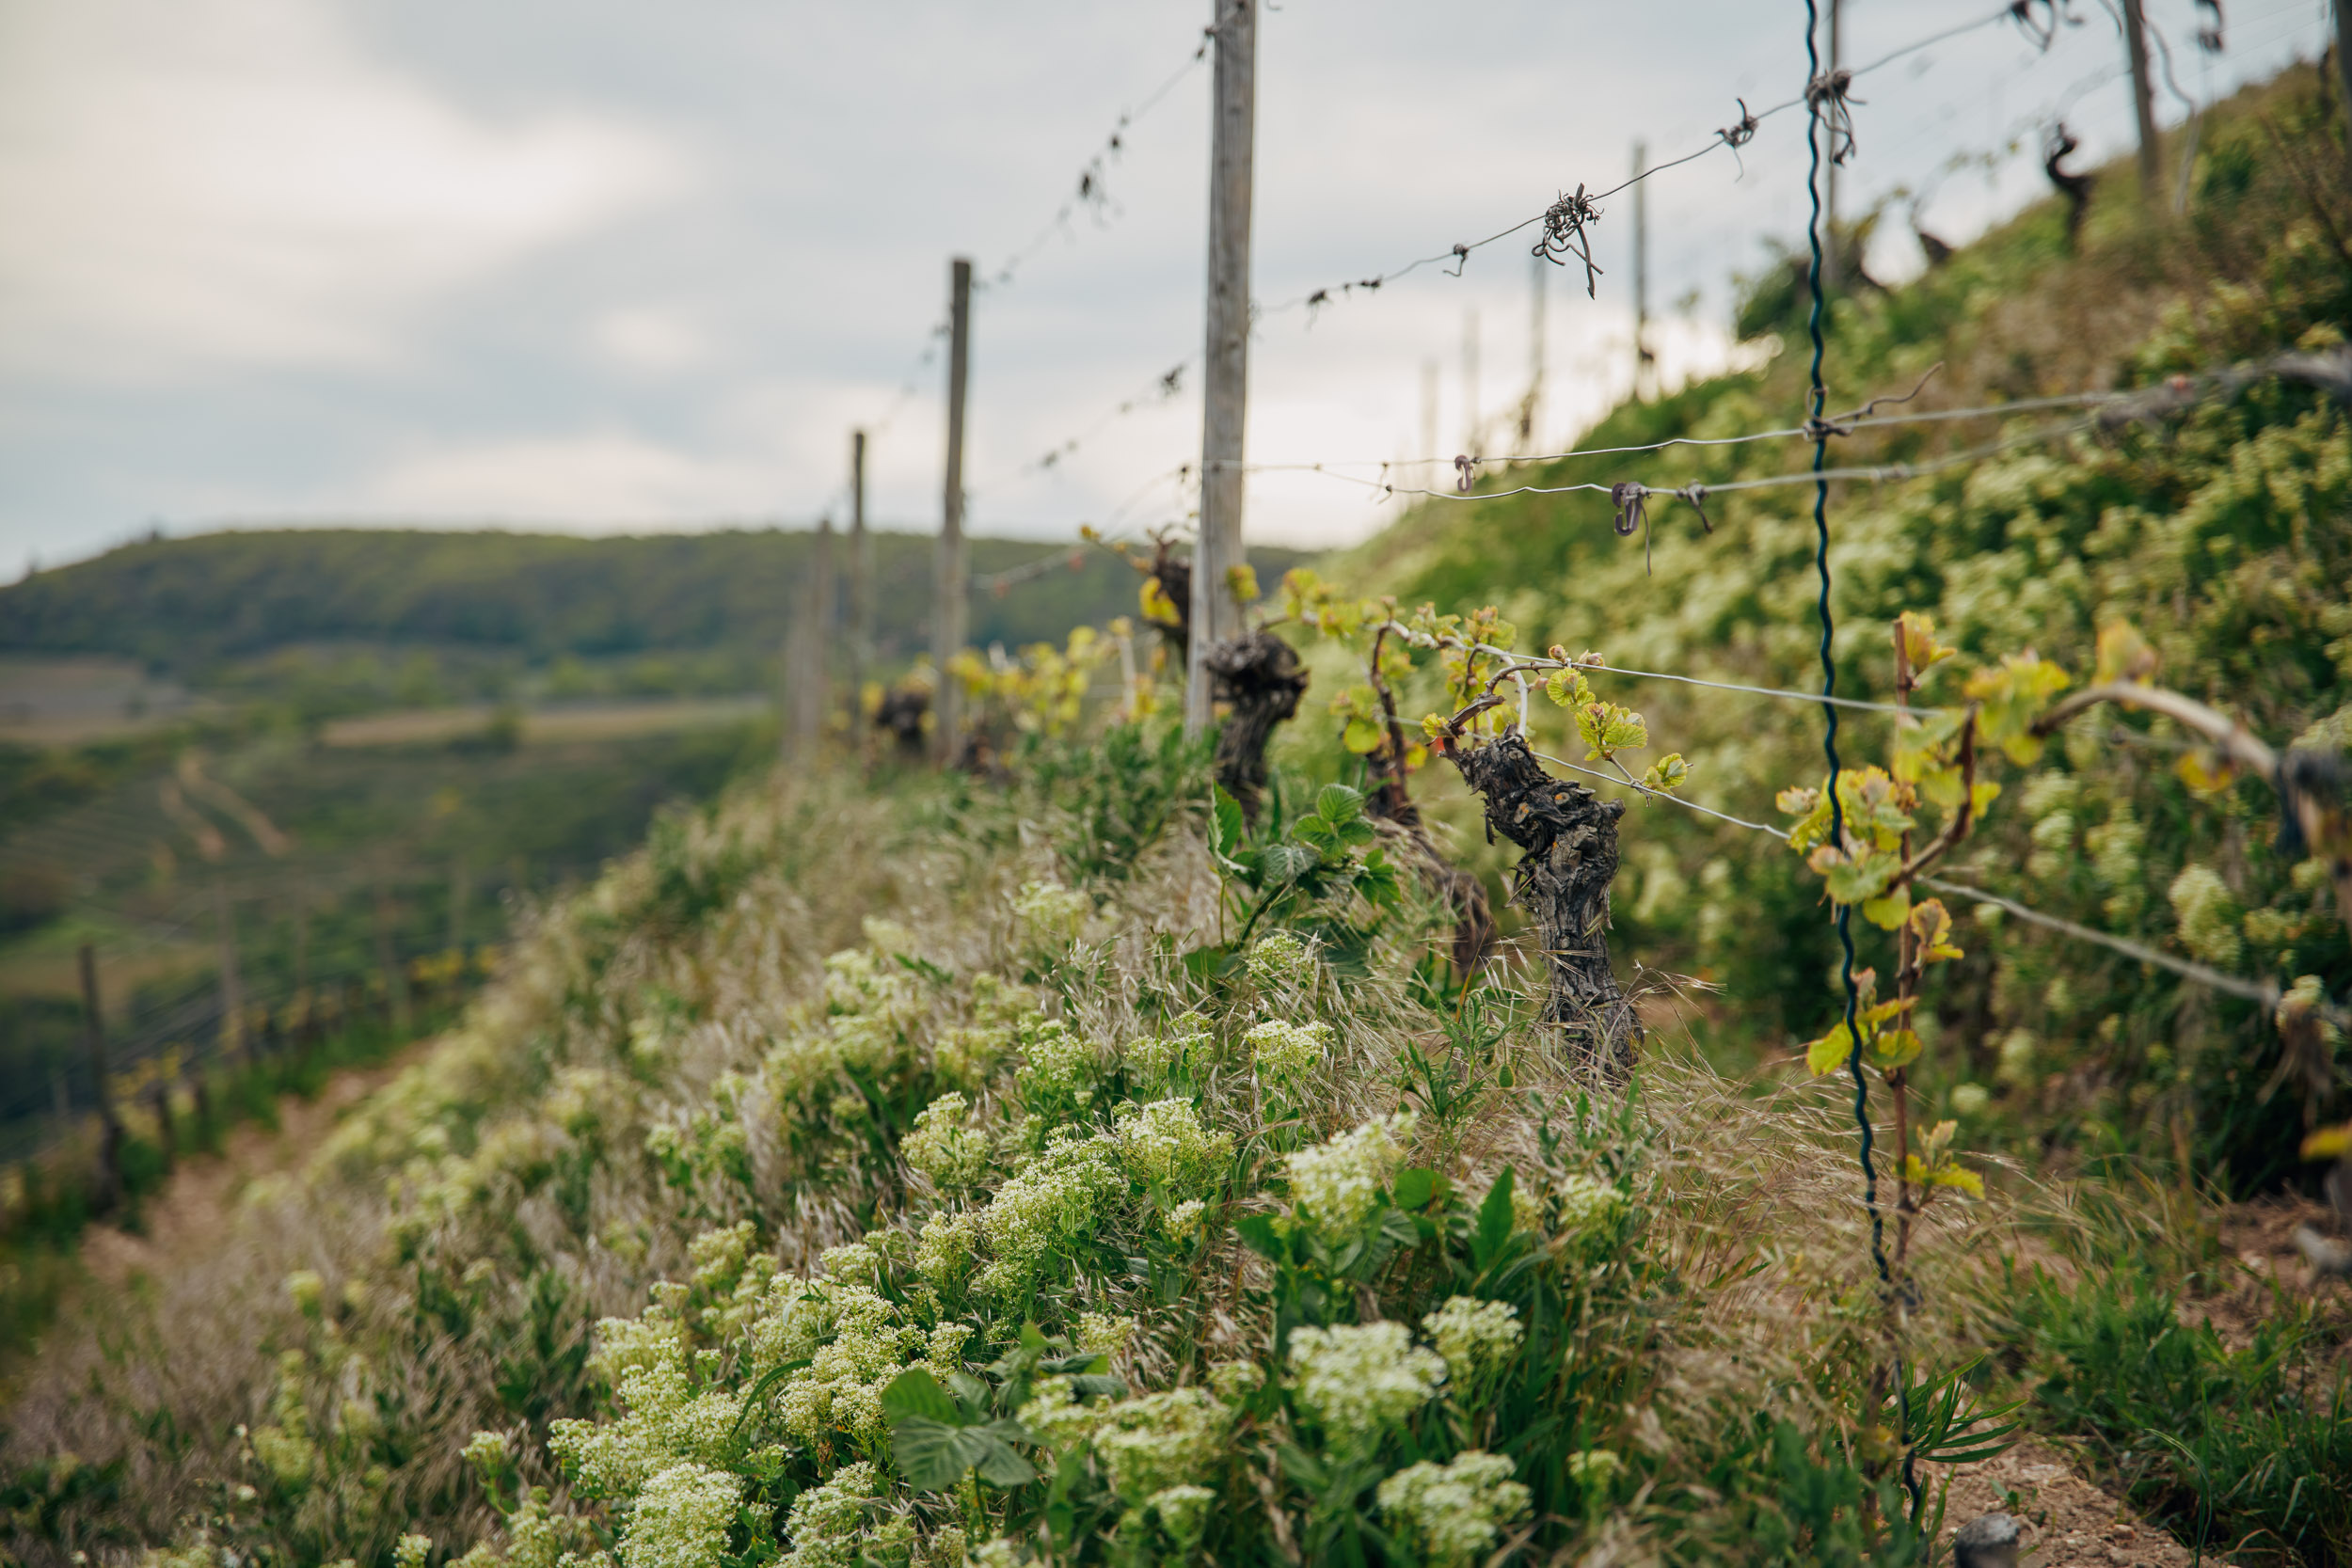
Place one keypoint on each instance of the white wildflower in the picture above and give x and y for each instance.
(1586, 1204)
(1164, 1143)
(1282, 958)
(681, 1518)
(1281, 1049)
(1183, 1222)
(2207, 915)
(1359, 1380)
(944, 1144)
(1055, 1061)
(1154, 1441)
(1454, 1512)
(1476, 1338)
(1184, 1512)
(1056, 1198)
(1100, 1333)
(1051, 914)
(1970, 1098)
(944, 1252)
(1592, 1468)
(413, 1551)
(827, 1523)
(1337, 1184)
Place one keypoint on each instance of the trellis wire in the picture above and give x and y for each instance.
(1733, 136)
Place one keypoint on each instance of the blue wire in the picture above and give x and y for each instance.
(1819, 395)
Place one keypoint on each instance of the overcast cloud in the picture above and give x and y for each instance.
(604, 265)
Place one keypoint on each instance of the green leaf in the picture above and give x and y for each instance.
(1362, 735)
(1829, 1053)
(1258, 1233)
(999, 1465)
(1887, 913)
(1495, 1221)
(1226, 823)
(933, 1456)
(1210, 962)
(1667, 774)
(1337, 803)
(1414, 1188)
(1301, 1468)
(915, 1392)
(1894, 1047)
(1286, 863)
(1567, 689)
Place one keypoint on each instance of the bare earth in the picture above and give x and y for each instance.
(2068, 1522)
(191, 1214)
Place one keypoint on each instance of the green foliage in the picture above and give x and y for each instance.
(2231, 1445)
(2215, 533)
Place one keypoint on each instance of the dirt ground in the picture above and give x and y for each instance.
(192, 1212)
(2066, 1521)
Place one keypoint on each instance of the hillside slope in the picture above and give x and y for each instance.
(2222, 530)
(1046, 1167)
(189, 604)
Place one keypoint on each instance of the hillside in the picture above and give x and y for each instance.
(1054, 1164)
(2221, 530)
(678, 612)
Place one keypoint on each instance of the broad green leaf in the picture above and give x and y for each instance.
(915, 1392)
(2011, 698)
(1948, 1174)
(1919, 645)
(1931, 928)
(932, 1455)
(1606, 729)
(1495, 1220)
(1829, 1053)
(1668, 773)
(1887, 913)
(1891, 1049)
(1226, 822)
(1362, 735)
(1285, 864)
(1850, 881)
(1336, 802)
(1258, 1233)
(999, 1465)
(1414, 1187)
(2123, 654)
(1567, 689)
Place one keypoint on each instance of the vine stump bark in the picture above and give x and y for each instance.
(1260, 678)
(1569, 836)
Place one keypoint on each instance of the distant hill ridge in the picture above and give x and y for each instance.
(180, 603)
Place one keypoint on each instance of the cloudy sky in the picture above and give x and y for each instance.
(603, 266)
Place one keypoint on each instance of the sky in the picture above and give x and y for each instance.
(602, 266)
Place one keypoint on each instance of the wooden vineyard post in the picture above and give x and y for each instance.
(1216, 615)
(388, 960)
(953, 570)
(110, 1127)
(232, 1038)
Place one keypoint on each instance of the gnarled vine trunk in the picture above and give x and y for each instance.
(1571, 838)
(1259, 677)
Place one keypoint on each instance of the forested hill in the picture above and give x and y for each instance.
(181, 604)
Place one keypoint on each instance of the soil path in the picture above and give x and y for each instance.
(191, 1214)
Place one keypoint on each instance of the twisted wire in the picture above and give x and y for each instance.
(1818, 405)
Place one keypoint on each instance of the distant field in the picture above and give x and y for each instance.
(76, 701)
(547, 725)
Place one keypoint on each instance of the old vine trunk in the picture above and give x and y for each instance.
(1571, 838)
(1259, 677)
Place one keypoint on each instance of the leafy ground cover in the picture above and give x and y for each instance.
(1056, 1164)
